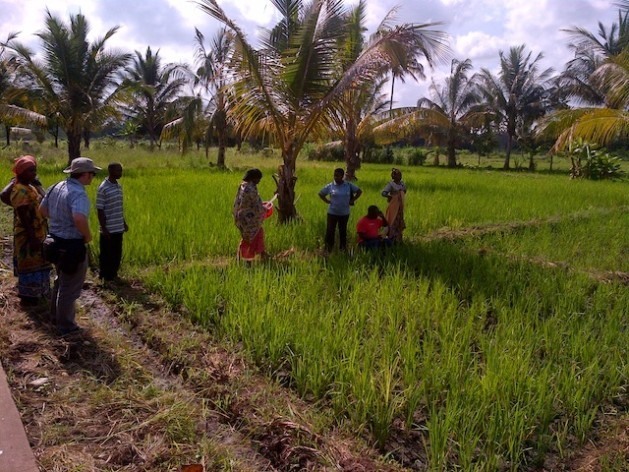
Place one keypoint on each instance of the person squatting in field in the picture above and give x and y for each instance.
(369, 229)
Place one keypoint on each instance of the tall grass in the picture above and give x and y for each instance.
(486, 354)
(594, 240)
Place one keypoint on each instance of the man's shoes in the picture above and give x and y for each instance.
(64, 332)
(111, 282)
(29, 301)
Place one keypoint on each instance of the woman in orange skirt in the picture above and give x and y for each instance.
(249, 213)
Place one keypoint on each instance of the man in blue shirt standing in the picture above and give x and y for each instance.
(67, 206)
(339, 195)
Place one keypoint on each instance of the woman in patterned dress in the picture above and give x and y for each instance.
(29, 230)
(249, 213)
(395, 193)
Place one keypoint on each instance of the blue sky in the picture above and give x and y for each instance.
(478, 29)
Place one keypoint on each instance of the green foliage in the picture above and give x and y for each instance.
(383, 155)
(411, 156)
(603, 166)
(329, 152)
(594, 164)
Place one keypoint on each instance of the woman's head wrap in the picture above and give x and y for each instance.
(23, 163)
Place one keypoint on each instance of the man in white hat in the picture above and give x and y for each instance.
(67, 206)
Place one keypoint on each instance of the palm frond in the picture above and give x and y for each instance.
(600, 126)
(21, 115)
(255, 86)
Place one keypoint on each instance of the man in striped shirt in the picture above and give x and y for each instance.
(112, 223)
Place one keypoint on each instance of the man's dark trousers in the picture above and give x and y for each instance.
(110, 255)
(330, 232)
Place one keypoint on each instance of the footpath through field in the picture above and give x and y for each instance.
(15, 451)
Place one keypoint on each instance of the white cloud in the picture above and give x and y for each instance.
(260, 12)
(478, 46)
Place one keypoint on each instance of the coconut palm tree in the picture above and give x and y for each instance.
(203, 115)
(152, 89)
(358, 108)
(189, 122)
(14, 95)
(590, 51)
(288, 87)
(214, 75)
(517, 95)
(352, 121)
(407, 63)
(444, 117)
(76, 77)
(596, 124)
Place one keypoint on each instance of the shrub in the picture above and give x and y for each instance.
(329, 152)
(593, 164)
(416, 157)
(380, 156)
(410, 155)
(603, 166)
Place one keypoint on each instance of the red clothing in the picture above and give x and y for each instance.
(247, 251)
(369, 227)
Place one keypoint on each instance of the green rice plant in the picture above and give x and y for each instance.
(389, 401)
(594, 241)
(615, 461)
(335, 343)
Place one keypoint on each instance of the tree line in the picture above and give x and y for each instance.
(314, 76)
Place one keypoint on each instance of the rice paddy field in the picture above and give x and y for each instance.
(497, 333)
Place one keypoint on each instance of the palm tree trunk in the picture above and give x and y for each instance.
(510, 135)
(222, 141)
(285, 181)
(74, 145)
(220, 124)
(451, 149)
(220, 159)
(87, 135)
(437, 151)
(531, 162)
(508, 153)
(352, 156)
(392, 89)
